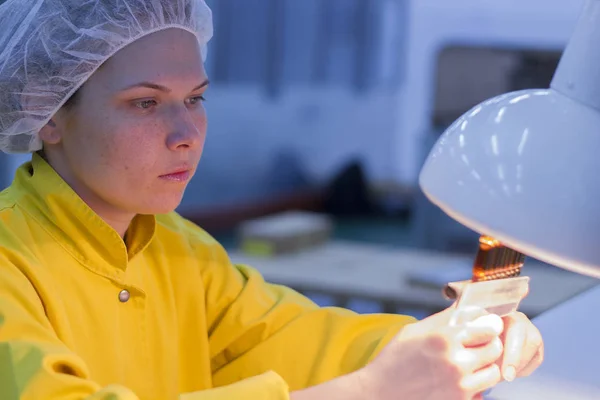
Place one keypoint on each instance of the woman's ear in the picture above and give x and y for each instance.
(50, 133)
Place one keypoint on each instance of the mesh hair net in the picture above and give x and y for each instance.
(49, 48)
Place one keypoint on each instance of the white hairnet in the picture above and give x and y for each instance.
(49, 48)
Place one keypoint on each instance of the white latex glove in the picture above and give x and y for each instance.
(430, 360)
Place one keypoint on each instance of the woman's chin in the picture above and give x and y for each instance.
(161, 207)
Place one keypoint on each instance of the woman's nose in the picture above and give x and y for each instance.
(188, 131)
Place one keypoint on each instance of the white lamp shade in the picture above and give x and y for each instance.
(524, 167)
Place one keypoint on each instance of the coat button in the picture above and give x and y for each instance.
(124, 296)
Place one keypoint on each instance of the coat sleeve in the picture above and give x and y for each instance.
(255, 327)
(35, 364)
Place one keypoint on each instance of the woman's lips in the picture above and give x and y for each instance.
(181, 176)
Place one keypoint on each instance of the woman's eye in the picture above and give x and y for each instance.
(145, 104)
(196, 99)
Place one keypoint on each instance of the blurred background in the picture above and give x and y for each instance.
(330, 107)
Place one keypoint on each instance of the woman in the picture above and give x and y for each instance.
(106, 293)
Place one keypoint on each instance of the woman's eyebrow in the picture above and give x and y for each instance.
(161, 88)
(200, 86)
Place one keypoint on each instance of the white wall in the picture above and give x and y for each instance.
(434, 24)
(324, 127)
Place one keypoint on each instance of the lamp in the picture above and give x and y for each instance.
(524, 167)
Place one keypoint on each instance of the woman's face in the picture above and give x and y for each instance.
(134, 137)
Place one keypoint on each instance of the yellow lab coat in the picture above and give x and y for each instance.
(166, 315)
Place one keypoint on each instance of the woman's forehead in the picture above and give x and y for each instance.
(172, 55)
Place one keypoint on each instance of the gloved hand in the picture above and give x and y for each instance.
(430, 360)
(523, 346)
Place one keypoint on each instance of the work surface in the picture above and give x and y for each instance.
(349, 270)
(571, 335)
